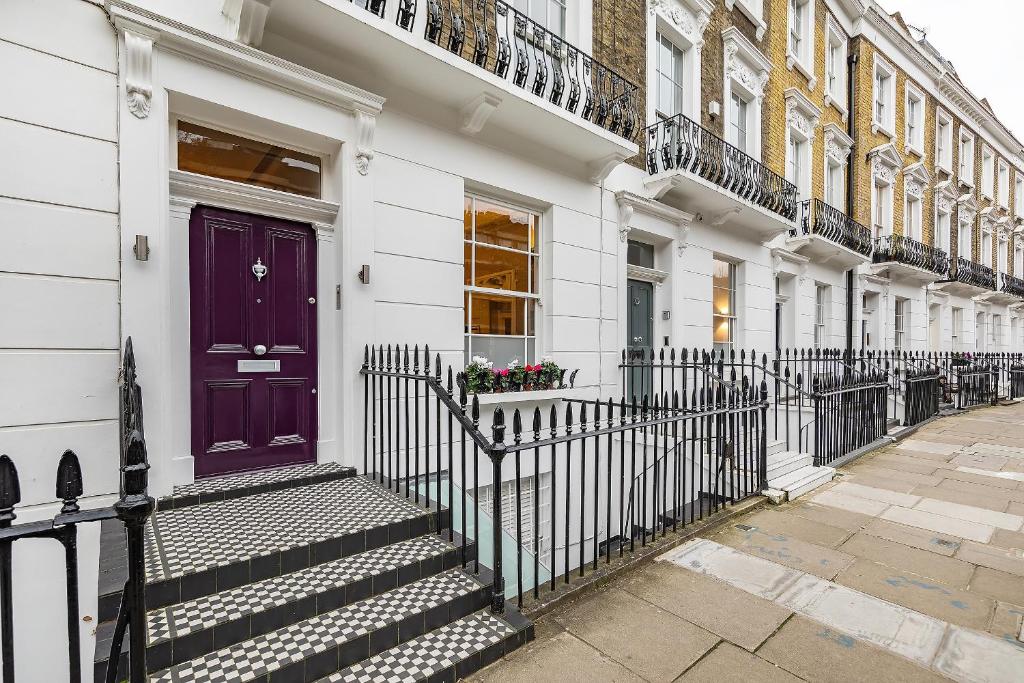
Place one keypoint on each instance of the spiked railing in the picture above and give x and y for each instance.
(498, 38)
(824, 220)
(902, 249)
(620, 473)
(133, 508)
(1012, 285)
(971, 273)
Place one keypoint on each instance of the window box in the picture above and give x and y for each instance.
(530, 396)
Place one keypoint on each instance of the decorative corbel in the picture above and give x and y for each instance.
(600, 168)
(250, 17)
(138, 75)
(721, 217)
(475, 113)
(366, 123)
(625, 216)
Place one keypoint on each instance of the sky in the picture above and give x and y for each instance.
(983, 40)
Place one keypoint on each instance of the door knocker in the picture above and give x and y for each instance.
(259, 270)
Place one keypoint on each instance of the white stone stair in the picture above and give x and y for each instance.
(781, 464)
(799, 481)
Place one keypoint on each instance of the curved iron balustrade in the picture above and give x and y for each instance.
(1012, 285)
(682, 143)
(496, 37)
(972, 273)
(825, 220)
(902, 249)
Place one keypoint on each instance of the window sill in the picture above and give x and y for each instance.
(793, 62)
(966, 183)
(882, 128)
(914, 149)
(835, 100)
(508, 397)
(947, 168)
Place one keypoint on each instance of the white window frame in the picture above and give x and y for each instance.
(822, 304)
(732, 316)
(1003, 183)
(746, 74)
(899, 322)
(986, 246)
(979, 331)
(836, 74)
(881, 198)
(944, 141)
(837, 156)
(966, 158)
(995, 333)
(754, 10)
(1018, 194)
(675, 73)
(534, 276)
(1018, 258)
(964, 239)
(1003, 253)
(803, 58)
(888, 98)
(956, 328)
(526, 7)
(988, 172)
(912, 217)
(940, 235)
(914, 143)
(798, 163)
(671, 27)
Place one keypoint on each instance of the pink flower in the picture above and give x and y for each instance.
(504, 373)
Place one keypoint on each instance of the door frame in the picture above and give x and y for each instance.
(188, 190)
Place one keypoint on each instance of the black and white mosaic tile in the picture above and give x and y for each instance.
(192, 539)
(430, 653)
(295, 644)
(252, 479)
(208, 611)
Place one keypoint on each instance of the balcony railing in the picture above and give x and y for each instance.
(496, 37)
(1012, 285)
(679, 143)
(910, 252)
(971, 273)
(824, 220)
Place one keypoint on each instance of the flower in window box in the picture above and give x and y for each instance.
(479, 376)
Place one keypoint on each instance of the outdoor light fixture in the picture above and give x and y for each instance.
(141, 248)
(364, 274)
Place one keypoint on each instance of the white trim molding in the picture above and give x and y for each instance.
(885, 162)
(837, 143)
(630, 203)
(744, 63)
(916, 179)
(201, 189)
(366, 124)
(753, 10)
(688, 17)
(249, 18)
(801, 113)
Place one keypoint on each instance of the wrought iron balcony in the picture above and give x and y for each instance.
(1012, 285)
(973, 274)
(910, 252)
(498, 38)
(679, 143)
(825, 220)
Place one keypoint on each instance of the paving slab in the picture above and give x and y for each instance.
(923, 539)
(873, 493)
(951, 572)
(1005, 560)
(991, 488)
(934, 447)
(908, 463)
(1008, 623)
(972, 656)
(998, 585)
(562, 657)
(954, 495)
(785, 550)
(736, 616)
(830, 516)
(867, 477)
(843, 501)
(1008, 473)
(781, 521)
(730, 664)
(821, 654)
(1008, 539)
(980, 461)
(1015, 508)
(918, 593)
(922, 519)
(879, 472)
(970, 513)
(975, 478)
(672, 644)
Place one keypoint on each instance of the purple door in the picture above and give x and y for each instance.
(253, 318)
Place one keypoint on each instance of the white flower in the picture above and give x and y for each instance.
(481, 360)
(547, 359)
(514, 363)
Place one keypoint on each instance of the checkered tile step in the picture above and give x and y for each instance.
(316, 647)
(192, 539)
(435, 652)
(251, 483)
(329, 578)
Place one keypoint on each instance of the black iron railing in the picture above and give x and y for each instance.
(820, 400)
(679, 143)
(500, 39)
(971, 273)
(921, 395)
(616, 473)
(1012, 285)
(910, 252)
(1015, 381)
(824, 220)
(133, 508)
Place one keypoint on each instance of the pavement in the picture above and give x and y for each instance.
(909, 566)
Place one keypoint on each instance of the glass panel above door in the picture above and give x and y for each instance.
(222, 155)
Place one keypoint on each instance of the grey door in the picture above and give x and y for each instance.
(639, 337)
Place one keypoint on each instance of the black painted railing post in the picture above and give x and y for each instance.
(497, 454)
(10, 495)
(763, 439)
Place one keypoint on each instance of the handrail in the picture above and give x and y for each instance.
(820, 218)
(903, 249)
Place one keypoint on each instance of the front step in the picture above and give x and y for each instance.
(800, 481)
(296, 583)
(786, 462)
(449, 653)
(253, 483)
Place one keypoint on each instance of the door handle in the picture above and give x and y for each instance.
(259, 349)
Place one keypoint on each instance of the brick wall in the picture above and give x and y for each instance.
(620, 38)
